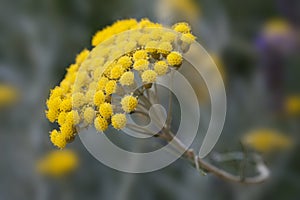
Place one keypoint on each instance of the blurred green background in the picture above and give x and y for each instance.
(40, 38)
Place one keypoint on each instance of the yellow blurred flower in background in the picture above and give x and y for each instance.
(292, 105)
(267, 140)
(8, 95)
(277, 27)
(189, 9)
(58, 163)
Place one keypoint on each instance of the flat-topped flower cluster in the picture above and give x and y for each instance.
(124, 54)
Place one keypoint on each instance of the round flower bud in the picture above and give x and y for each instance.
(58, 139)
(125, 61)
(174, 58)
(116, 72)
(141, 65)
(89, 115)
(188, 38)
(67, 130)
(52, 115)
(73, 117)
(110, 87)
(78, 99)
(99, 98)
(106, 110)
(149, 76)
(102, 83)
(100, 124)
(66, 105)
(161, 67)
(54, 103)
(127, 78)
(129, 103)
(118, 121)
(140, 54)
(165, 48)
(152, 46)
(61, 118)
(182, 27)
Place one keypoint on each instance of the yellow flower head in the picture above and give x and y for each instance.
(99, 98)
(116, 72)
(58, 139)
(149, 76)
(78, 99)
(89, 95)
(168, 37)
(127, 79)
(58, 163)
(66, 105)
(125, 62)
(118, 27)
(141, 65)
(82, 56)
(54, 103)
(100, 124)
(56, 92)
(61, 118)
(182, 27)
(110, 87)
(106, 110)
(89, 115)
(67, 130)
(52, 115)
(152, 46)
(161, 67)
(73, 117)
(144, 39)
(118, 121)
(188, 38)
(140, 54)
(129, 103)
(130, 46)
(102, 83)
(165, 47)
(266, 140)
(174, 58)
(146, 23)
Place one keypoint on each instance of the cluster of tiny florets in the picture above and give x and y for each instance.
(112, 67)
(129, 103)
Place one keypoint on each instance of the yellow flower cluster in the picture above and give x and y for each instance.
(277, 27)
(187, 9)
(266, 140)
(58, 163)
(122, 53)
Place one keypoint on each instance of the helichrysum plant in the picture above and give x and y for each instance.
(84, 96)
(113, 80)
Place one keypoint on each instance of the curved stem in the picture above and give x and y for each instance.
(263, 171)
(169, 116)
